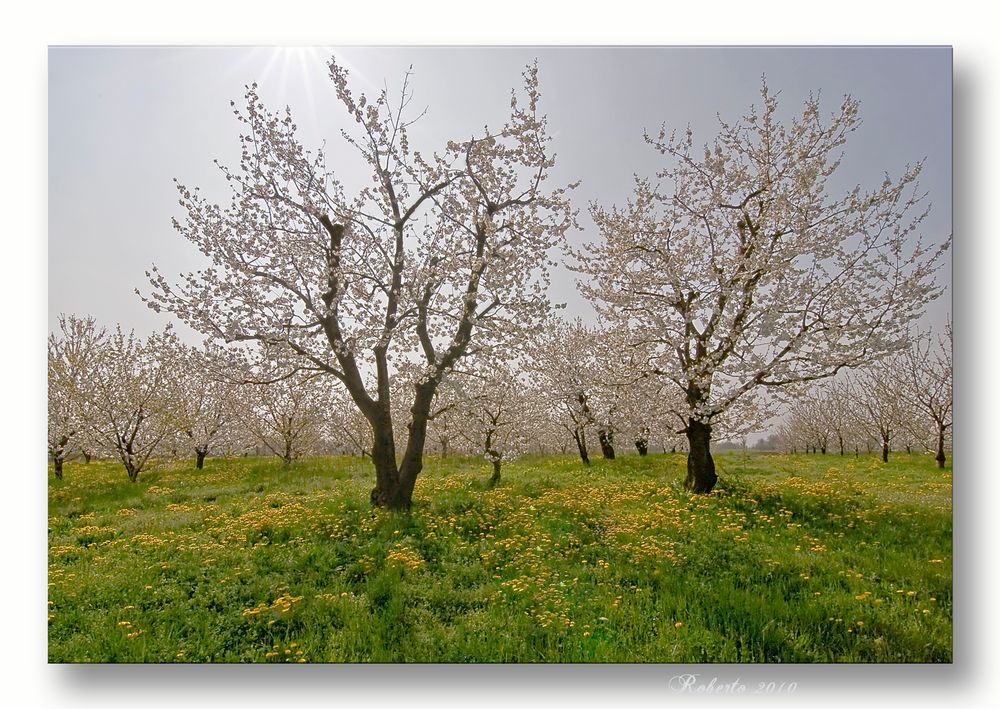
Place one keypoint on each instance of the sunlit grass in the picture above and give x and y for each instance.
(793, 559)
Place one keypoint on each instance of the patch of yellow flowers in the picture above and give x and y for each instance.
(282, 605)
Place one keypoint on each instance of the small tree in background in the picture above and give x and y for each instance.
(499, 415)
(287, 414)
(72, 355)
(881, 408)
(208, 400)
(928, 369)
(563, 367)
(134, 401)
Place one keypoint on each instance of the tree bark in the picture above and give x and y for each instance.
(495, 478)
(885, 451)
(940, 448)
(701, 477)
(581, 444)
(394, 484)
(57, 462)
(642, 441)
(606, 439)
(199, 458)
(384, 460)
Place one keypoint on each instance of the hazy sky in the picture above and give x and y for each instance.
(124, 121)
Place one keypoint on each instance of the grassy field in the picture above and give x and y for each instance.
(806, 558)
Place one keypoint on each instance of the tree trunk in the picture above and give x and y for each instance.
(495, 478)
(581, 443)
(199, 459)
(885, 450)
(940, 448)
(384, 460)
(57, 462)
(840, 439)
(394, 485)
(606, 439)
(444, 448)
(642, 441)
(86, 456)
(701, 475)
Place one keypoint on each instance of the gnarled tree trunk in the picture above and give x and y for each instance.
(199, 458)
(606, 439)
(642, 441)
(394, 484)
(495, 478)
(581, 444)
(701, 475)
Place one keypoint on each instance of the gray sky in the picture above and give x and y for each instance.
(124, 121)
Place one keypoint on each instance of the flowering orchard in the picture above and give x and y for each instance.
(411, 315)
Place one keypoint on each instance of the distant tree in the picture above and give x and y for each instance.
(771, 442)
(447, 418)
(745, 271)
(836, 412)
(880, 405)
(72, 355)
(348, 427)
(286, 414)
(207, 400)
(498, 412)
(438, 256)
(133, 402)
(563, 366)
(808, 422)
(928, 368)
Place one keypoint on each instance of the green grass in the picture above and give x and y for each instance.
(805, 558)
